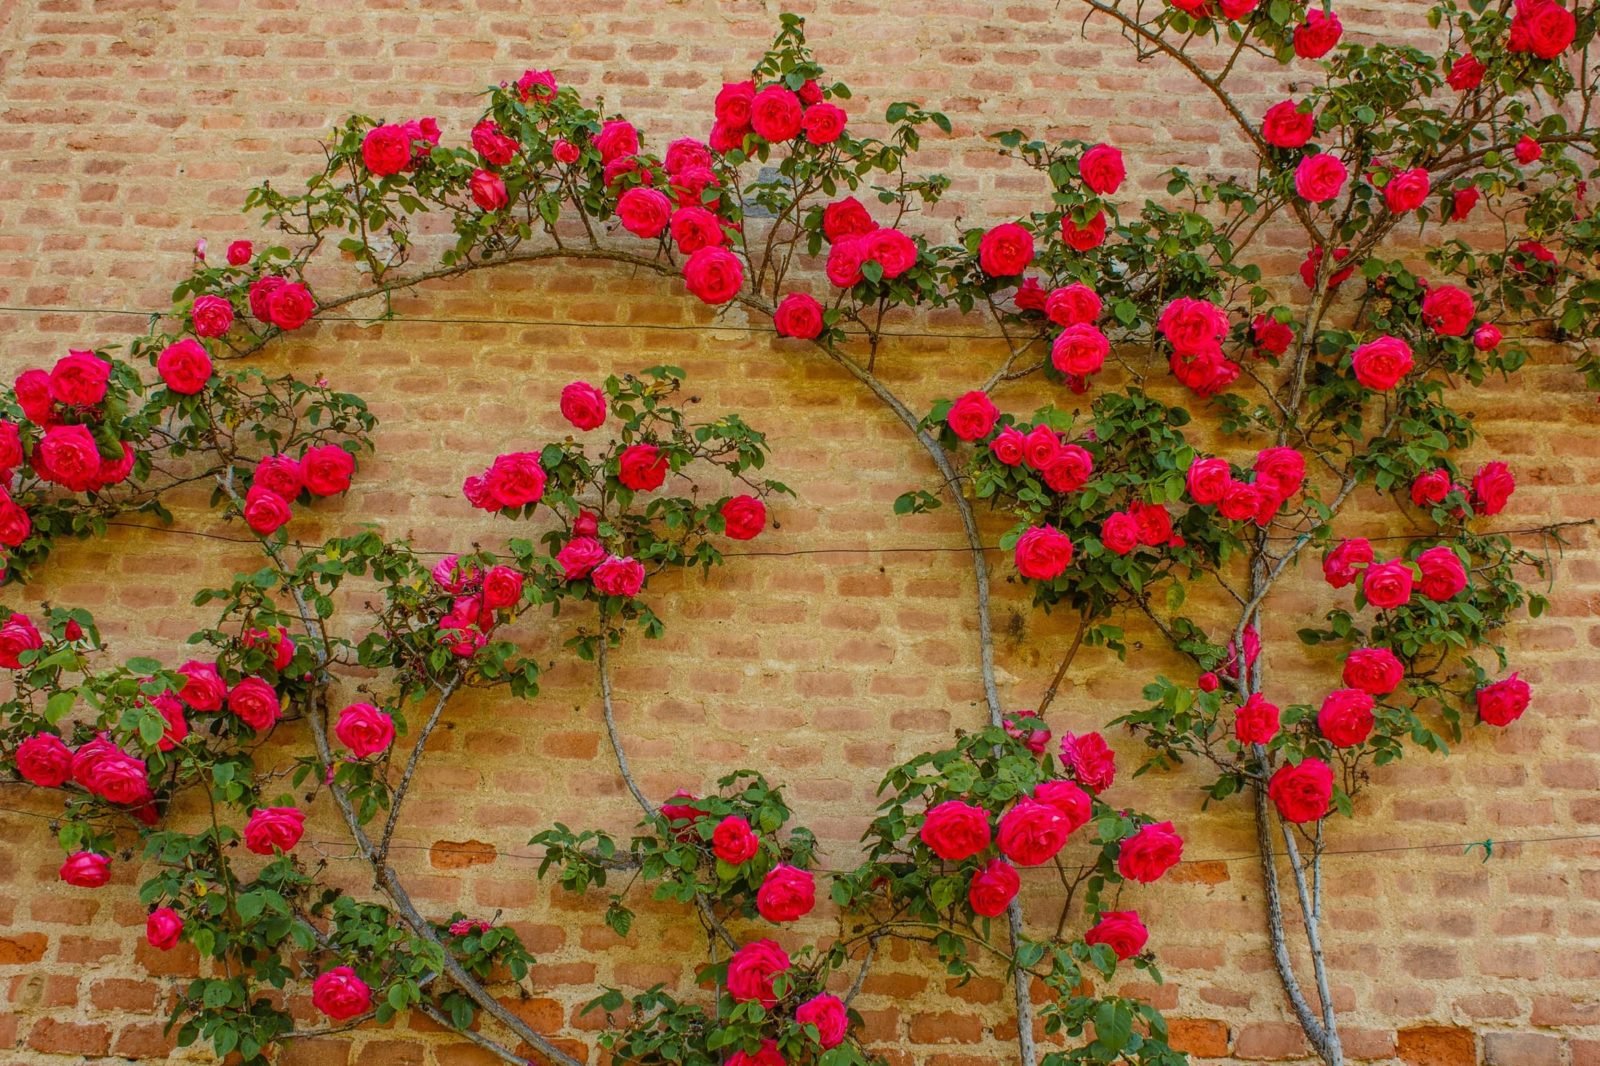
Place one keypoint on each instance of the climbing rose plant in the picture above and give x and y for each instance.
(1311, 392)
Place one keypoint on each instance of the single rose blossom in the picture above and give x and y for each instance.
(751, 970)
(1503, 702)
(273, 829)
(1375, 671)
(1043, 553)
(1319, 177)
(255, 703)
(364, 729)
(340, 994)
(1006, 250)
(583, 405)
(1031, 832)
(992, 888)
(1074, 804)
(733, 841)
(1150, 852)
(1380, 364)
(1344, 563)
(828, 1014)
(86, 869)
(1345, 717)
(1121, 931)
(799, 315)
(240, 253)
(1492, 486)
(787, 894)
(265, 512)
(1443, 575)
(1102, 169)
(211, 316)
(644, 212)
(1086, 237)
(1466, 73)
(1285, 125)
(744, 517)
(972, 416)
(580, 556)
(163, 928)
(955, 830)
(1462, 201)
(1448, 310)
(327, 469)
(1407, 190)
(1387, 585)
(776, 114)
(1093, 763)
(1080, 349)
(1256, 721)
(619, 576)
(713, 275)
(1316, 36)
(1302, 792)
(1487, 338)
(44, 760)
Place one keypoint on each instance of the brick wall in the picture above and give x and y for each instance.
(131, 128)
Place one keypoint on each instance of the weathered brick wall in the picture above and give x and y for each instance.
(130, 129)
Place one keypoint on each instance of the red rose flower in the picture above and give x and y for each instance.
(1528, 150)
(326, 469)
(1302, 792)
(1407, 190)
(1462, 201)
(1341, 565)
(798, 315)
(265, 511)
(1043, 553)
(1504, 701)
(1070, 469)
(1074, 804)
(1280, 470)
(733, 841)
(1375, 671)
(787, 894)
(619, 576)
(1486, 338)
(1286, 126)
(1102, 169)
(1466, 73)
(776, 114)
(44, 760)
(751, 970)
(1121, 931)
(580, 556)
(274, 829)
(1542, 27)
(1005, 250)
(1119, 532)
(713, 274)
(1256, 721)
(1041, 447)
(15, 525)
(1208, 480)
(1387, 585)
(616, 140)
(644, 212)
(642, 467)
(1193, 326)
(1093, 763)
(846, 218)
(1430, 487)
(1032, 832)
(184, 366)
(1316, 36)
(766, 1055)
(340, 994)
(211, 316)
(1080, 349)
(255, 703)
(1443, 576)
(1380, 364)
(1149, 853)
(487, 190)
(823, 123)
(828, 1014)
(892, 250)
(79, 379)
(564, 151)
(515, 479)
(1072, 305)
(364, 729)
(1007, 446)
(992, 888)
(502, 588)
(694, 228)
(1345, 717)
(954, 830)
(203, 690)
(17, 635)
(743, 517)
(491, 142)
(240, 253)
(1090, 235)
(163, 928)
(972, 416)
(85, 869)
(386, 150)
(732, 106)
(1319, 177)
(290, 306)
(686, 153)
(1492, 486)
(583, 405)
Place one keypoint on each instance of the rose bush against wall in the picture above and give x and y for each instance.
(1340, 378)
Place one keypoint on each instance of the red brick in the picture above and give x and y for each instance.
(1437, 1045)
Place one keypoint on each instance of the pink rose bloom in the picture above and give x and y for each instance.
(619, 576)
(580, 556)
(274, 829)
(364, 729)
(340, 994)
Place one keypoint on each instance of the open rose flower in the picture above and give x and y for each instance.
(787, 894)
(1375, 671)
(1075, 805)
(1345, 717)
(776, 114)
(644, 212)
(274, 829)
(1380, 364)
(1302, 792)
(255, 703)
(992, 888)
(1086, 236)
(580, 556)
(265, 511)
(1388, 585)
(1121, 931)
(1093, 763)
(1319, 177)
(1080, 350)
(86, 869)
(211, 316)
(733, 841)
(954, 830)
(828, 1014)
(1102, 169)
(1316, 36)
(751, 970)
(1256, 721)
(1407, 190)
(1006, 250)
(1149, 853)
(1043, 553)
(327, 469)
(340, 994)
(642, 467)
(798, 315)
(744, 517)
(1504, 701)
(1285, 125)
(972, 415)
(364, 729)
(619, 576)
(1032, 832)
(1443, 575)
(163, 928)
(44, 760)
(1492, 487)
(1345, 562)
(583, 405)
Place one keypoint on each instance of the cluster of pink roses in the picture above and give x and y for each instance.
(279, 302)
(479, 597)
(787, 893)
(775, 113)
(1389, 585)
(1278, 475)
(1491, 488)
(1195, 329)
(279, 480)
(64, 403)
(751, 972)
